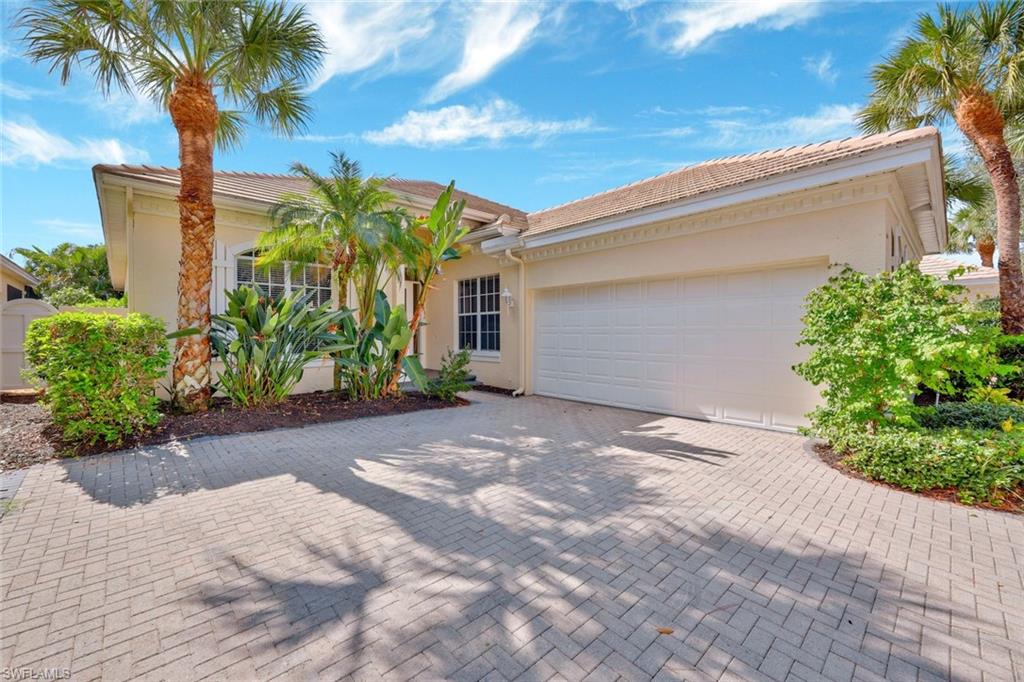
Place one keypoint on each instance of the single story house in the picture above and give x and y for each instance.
(679, 294)
(981, 281)
(15, 281)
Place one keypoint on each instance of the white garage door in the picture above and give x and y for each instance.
(718, 347)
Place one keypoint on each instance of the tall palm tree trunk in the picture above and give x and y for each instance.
(343, 271)
(983, 124)
(193, 110)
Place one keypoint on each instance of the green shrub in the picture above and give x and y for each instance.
(100, 372)
(981, 465)
(264, 343)
(876, 339)
(453, 376)
(80, 296)
(1011, 352)
(969, 415)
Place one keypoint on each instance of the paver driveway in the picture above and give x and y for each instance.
(529, 537)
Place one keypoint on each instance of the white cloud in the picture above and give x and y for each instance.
(830, 121)
(699, 22)
(495, 32)
(27, 143)
(12, 90)
(71, 228)
(126, 109)
(492, 123)
(822, 68)
(362, 35)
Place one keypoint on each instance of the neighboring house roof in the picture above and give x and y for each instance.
(13, 268)
(941, 267)
(267, 188)
(713, 176)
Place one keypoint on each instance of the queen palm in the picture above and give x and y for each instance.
(188, 56)
(966, 66)
(345, 220)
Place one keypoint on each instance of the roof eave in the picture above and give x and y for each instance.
(925, 151)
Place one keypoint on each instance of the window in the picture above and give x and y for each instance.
(479, 314)
(284, 278)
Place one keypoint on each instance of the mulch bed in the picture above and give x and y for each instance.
(835, 460)
(27, 435)
(493, 389)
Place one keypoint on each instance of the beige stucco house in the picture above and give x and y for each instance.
(679, 294)
(980, 281)
(15, 281)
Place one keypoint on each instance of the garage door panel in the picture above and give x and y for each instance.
(695, 288)
(662, 290)
(796, 281)
(718, 346)
(696, 315)
(746, 284)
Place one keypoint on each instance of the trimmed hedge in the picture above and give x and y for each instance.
(982, 465)
(99, 370)
(970, 415)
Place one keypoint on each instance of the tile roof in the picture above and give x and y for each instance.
(711, 176)
(683, 183)
(267, 187)
(939, 267)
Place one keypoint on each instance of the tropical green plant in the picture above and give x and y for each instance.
(252, 55)
(965, 65)
(366, 367)
(453, 376)
(346, 220)
(876, 339)
(265, 343)
(435, 241)
(99, 371)
(330, 222)
(70, 266)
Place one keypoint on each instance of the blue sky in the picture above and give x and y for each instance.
(528, 104)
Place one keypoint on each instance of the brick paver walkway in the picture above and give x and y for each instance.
(527, 538)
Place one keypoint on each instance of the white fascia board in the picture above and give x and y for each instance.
(878, 162)
(498, 245)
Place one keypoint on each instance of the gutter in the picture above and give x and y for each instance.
(494, 230)
(522, 321)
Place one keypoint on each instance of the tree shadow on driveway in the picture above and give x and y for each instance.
(529, 542)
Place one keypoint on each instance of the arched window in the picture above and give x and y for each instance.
(284, 278)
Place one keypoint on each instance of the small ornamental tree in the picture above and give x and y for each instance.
(877, 339)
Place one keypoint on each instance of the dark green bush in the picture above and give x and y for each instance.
(100, 372)
(981, 465)
(969, 415)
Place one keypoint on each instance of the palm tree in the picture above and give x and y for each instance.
(253, 55)
(330, 222)
(973, 228)
(966, 66)
(344, 220)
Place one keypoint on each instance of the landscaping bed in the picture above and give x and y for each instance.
(1013, 502)
(28, 436)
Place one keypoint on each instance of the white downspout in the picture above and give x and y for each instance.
(522, 322)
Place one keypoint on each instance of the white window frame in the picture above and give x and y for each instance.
(289, 286)
(475, 352)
